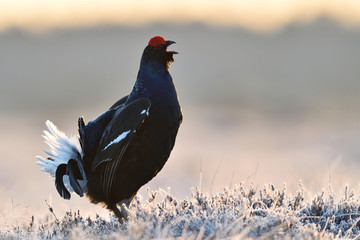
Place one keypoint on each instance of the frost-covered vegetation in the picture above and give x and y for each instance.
(236, 213)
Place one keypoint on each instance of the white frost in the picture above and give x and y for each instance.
(118, 139)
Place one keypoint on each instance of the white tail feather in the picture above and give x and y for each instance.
(62, 149)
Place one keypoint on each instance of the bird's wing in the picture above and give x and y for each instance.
(119, 102)
(91, 133)
(117, 135)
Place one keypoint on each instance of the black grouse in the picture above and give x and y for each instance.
(124, 147)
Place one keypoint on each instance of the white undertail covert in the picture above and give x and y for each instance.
(62, 149)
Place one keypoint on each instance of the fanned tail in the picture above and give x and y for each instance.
(64, 162)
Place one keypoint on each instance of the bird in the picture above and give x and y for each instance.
(122, 149)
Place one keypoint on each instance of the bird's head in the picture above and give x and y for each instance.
(157, 50)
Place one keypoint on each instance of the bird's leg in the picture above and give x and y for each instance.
(121, 214)
(121, 217)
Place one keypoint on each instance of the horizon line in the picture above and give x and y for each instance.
(100, 24)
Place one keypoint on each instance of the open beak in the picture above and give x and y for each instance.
(168, 43)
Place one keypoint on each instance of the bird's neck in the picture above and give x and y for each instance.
(153, 81)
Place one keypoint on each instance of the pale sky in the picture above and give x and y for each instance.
(254, 14)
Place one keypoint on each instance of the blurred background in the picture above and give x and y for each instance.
(270, 90)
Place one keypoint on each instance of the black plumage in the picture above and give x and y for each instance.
(126, 146)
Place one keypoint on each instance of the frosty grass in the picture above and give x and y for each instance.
(236, 213)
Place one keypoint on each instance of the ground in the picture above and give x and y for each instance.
(234, 213)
